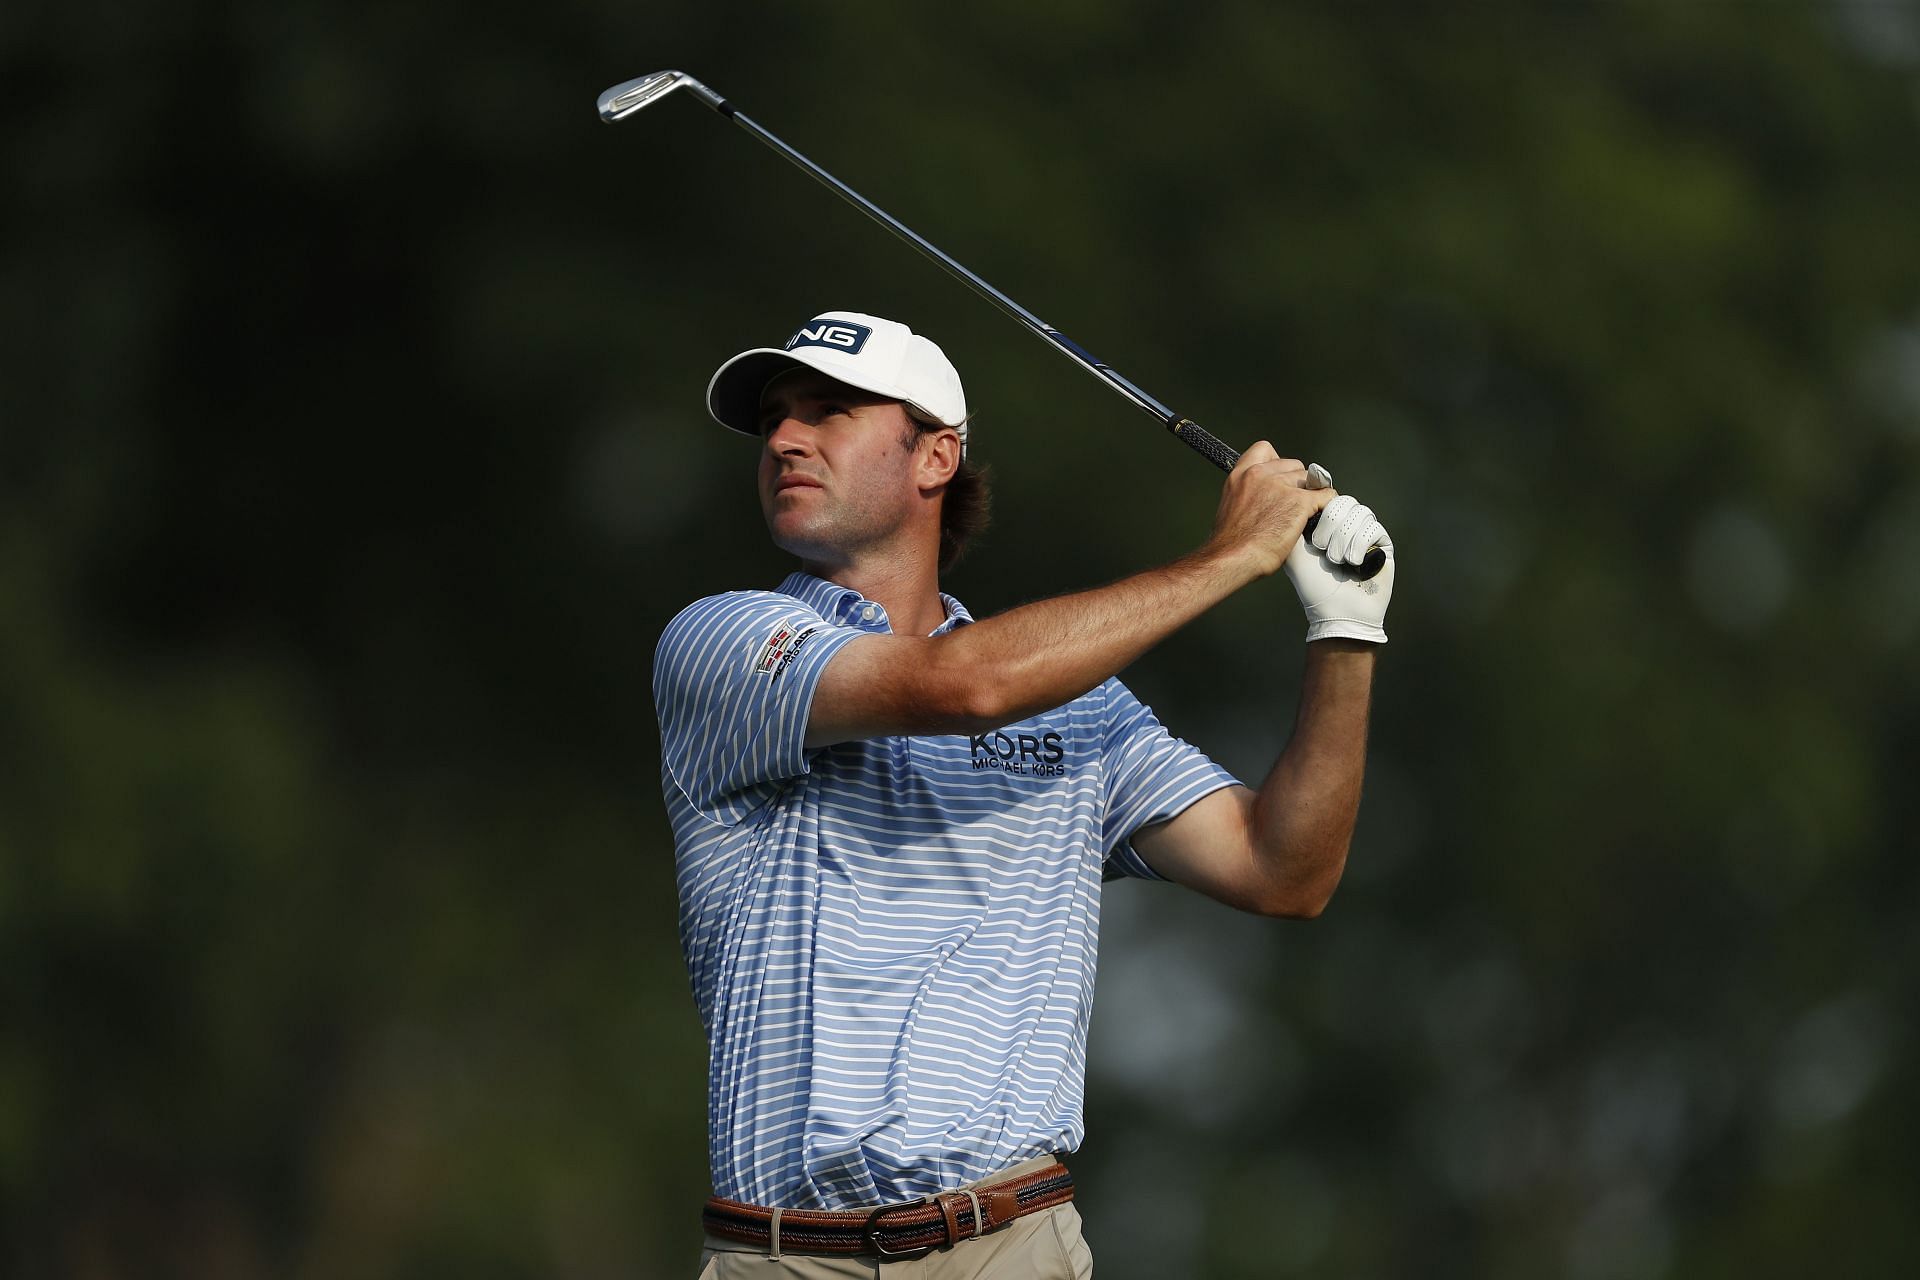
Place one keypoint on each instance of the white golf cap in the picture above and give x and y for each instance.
(881, 356)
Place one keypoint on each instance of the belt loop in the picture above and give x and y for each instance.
(979, 1222)
(776, 1233)
(949, 1216)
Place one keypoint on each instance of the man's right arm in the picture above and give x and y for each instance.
(1038, 656)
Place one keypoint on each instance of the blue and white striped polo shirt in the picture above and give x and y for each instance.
(892, 941)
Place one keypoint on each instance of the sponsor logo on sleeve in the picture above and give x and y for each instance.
(781, 647)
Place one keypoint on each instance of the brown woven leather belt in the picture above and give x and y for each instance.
(892, 1231)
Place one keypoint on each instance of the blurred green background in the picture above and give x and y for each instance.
(352, 456)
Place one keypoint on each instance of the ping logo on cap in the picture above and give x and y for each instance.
(840, 335)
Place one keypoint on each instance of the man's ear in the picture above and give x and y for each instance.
(939, 457)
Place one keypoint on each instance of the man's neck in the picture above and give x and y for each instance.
(908, 589)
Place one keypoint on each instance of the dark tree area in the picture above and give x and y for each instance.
(352, 457)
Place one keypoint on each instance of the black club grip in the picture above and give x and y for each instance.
(1205, 443)
(1224, 456)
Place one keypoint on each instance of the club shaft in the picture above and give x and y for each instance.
(625, 99)
(1195, 436)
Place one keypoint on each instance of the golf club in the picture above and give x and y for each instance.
(624, 99)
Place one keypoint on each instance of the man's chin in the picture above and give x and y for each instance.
(801, 543)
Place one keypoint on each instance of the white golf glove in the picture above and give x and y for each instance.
(1340, 606)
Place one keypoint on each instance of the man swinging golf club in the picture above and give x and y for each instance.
(892, 820)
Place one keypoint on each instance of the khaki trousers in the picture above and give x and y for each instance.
(1044, 1246)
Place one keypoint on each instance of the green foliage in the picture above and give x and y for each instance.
(352, 458)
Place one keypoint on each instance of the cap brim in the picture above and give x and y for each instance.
(733, 395)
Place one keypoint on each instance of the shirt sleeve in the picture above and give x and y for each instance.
(733, 682)
(1151, 776)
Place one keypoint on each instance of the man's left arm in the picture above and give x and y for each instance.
(1279, 851)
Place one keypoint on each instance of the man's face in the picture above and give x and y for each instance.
(836, 476)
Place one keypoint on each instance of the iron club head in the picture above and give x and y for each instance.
(621, 101)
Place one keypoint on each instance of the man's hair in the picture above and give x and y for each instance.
(967, 501)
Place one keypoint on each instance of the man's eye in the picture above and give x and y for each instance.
(831, 410)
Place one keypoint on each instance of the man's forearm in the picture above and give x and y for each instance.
(1043, 654)
(1304, 813)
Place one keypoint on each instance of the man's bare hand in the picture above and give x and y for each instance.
(1264, 507)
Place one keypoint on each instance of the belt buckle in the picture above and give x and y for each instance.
(874, 1227)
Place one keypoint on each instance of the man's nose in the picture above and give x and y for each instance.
(789, 437)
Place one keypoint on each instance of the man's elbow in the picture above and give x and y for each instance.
(1294, 905)
(1304, 897)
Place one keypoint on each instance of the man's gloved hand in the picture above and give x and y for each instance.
(1340, 606)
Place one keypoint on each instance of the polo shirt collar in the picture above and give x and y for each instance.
(849, 608)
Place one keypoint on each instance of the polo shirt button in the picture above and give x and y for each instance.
(868, 612)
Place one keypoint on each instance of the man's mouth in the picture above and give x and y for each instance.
(794, 480)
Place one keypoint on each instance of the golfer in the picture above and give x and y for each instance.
(893, 821)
